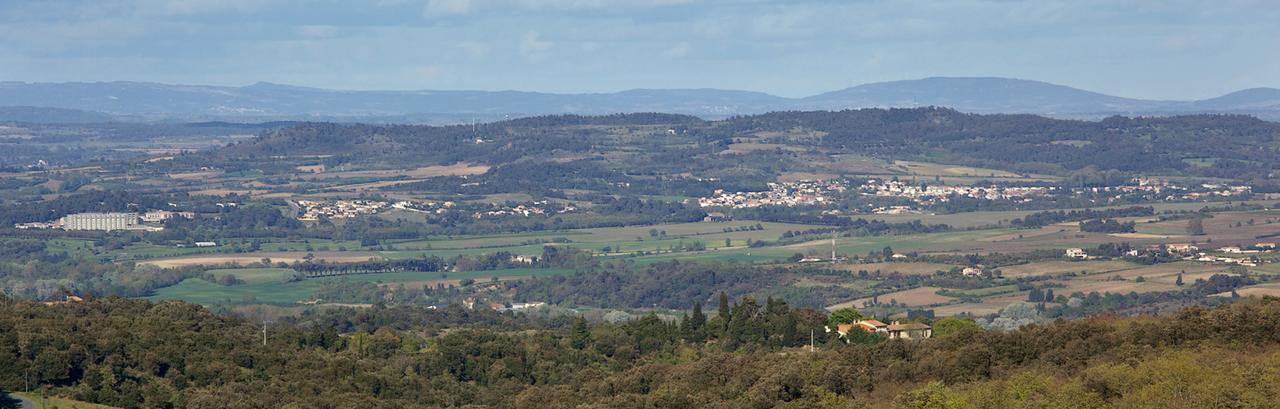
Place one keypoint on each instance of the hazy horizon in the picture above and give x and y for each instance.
(1145, 50)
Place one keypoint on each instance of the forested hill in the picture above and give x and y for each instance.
(1234, 146)
(128, 353)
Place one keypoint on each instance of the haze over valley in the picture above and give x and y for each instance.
(130, 101)
(529, 204)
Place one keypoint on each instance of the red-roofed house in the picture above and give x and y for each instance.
(872, 326)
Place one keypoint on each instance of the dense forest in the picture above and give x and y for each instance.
(745, 354)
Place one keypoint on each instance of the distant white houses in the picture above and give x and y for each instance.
(206, 244)
(341, 209)
(526, 305)
(36, 225)
(515, 306)
(971, 272)
(1077, 253)
(160, 216)
(1181, 248)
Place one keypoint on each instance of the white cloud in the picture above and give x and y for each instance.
(474, 49)
(532, 45)
(680, 50)
(430, 72)
(594, 4)
(441, 8)
(194, 7)
(317, 31)
(449, 8)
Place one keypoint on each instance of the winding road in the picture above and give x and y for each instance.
(23, 403)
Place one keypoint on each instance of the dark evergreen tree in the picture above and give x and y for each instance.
(580, 335)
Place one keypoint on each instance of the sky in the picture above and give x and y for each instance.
(1158, 49)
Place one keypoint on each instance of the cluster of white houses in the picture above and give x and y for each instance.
(800, 193)
(341, 209)
(345, 209)
(827, 192)
(1192, 252)
(941, 193)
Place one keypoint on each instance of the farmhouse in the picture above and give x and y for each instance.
(872, 326)
(1181, 248)
(868, 326)
(65, 300)
(971, 272)
(1077, 253)
(1230, 249)
(715, 217)
(910, 330)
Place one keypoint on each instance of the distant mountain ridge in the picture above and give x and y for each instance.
(267, 101)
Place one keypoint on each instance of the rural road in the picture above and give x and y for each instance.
(23, 403)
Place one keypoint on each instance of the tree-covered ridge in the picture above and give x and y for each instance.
(139, 354)
(1240, 147)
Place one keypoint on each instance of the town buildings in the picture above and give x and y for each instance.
(829, 192)
(801, 193)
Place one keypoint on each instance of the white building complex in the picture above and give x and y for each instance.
(101, 221)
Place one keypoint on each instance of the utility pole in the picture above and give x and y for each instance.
(811, 348)
(833, 246)
(264, 333)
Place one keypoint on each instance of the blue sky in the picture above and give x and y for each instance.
(1175, 49)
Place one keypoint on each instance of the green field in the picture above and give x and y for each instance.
(984, 292)
(279, 293)
(618, 240)
(980, 219)
(848, 246)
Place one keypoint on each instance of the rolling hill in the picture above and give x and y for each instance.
(267, 101)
